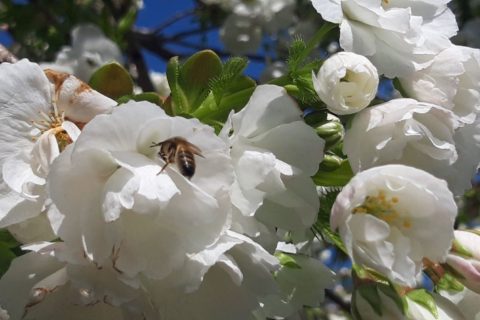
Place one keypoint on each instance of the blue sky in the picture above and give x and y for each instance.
(154, 13)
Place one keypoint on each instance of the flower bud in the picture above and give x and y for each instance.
(331, 162)
(332, 132)
(346, 82)
(464, 258)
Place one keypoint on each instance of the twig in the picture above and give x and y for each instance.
(153, 43)
(177, 17)
(136, 58)
(191, 32)
(220, 52)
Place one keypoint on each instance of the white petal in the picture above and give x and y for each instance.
(268, 107)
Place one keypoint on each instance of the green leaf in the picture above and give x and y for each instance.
(6, 257)
(234, 97)
(322, 225)
(425, 299)
(179, 102)
(231, 70)
(195, 76)
(112, 80)
(370, 293)
(336, 178)
(7, 239)
(295, 54)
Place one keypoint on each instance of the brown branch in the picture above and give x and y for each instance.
(136, 57)
(177, 17)
(220, 52)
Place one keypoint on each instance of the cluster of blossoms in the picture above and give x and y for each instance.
(243, 30)
(128, 212)
(140, 240)
(411, 155)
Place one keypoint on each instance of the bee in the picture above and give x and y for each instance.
(179, 151)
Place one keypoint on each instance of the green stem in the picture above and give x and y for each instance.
(317, 39)
(312, 44)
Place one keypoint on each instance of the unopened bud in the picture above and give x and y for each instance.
(331, 162)
(332, 132)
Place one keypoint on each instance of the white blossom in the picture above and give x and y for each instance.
(237, 275)
(346, 82)
(452, 81)
(40, 113)
(240, 34)
(117, 205)
(48, 287)
(305, 284)
(391, 217)
(417, 134)
(399, 37)
(242, 31)
(90, 50)
(273, 172)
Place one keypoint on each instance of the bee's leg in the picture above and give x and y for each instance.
(163, 168)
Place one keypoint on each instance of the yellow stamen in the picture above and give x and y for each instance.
(383, 208)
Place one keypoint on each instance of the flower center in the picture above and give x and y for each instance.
(384, 209)
(53, 121)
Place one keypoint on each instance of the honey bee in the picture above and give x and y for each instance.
(179, 151)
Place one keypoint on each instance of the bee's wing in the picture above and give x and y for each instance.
(195, 150)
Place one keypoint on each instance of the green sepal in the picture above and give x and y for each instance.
(331, 162)
(287, 260)
(179, 102)
(425, 299)
(322, 225)
(234, 97)
(112, 80)
(152, 97)
(329, 129)
(449, 282)
(336, 178)
(231, 70)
